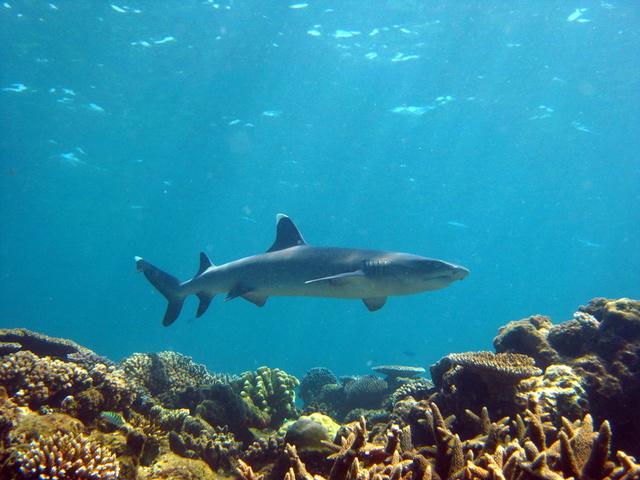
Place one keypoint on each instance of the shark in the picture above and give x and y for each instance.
(291, 267)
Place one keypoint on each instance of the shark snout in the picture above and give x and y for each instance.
(459, 273)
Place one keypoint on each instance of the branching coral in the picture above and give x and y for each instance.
(526, 448)
(68, 456)
(272, 391)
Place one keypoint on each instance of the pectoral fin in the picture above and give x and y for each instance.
(340, 279)
(375, 303)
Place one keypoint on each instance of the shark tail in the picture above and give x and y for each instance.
(167, 285)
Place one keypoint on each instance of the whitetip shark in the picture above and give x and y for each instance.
(291, 267)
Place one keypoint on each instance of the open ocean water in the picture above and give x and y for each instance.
(499, 135)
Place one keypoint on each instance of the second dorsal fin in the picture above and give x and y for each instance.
(287, 234)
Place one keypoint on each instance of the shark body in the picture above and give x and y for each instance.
(291, 267)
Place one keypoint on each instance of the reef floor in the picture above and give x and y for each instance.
(550, 402)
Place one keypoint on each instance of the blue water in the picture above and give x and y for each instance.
(502, 136)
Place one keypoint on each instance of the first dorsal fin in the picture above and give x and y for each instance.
(204, 263)
(287, 234)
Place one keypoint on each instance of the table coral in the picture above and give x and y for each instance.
(46, 346)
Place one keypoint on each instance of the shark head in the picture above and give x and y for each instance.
(415, 273)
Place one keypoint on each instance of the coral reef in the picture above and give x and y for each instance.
(602, 346)
(561, 398)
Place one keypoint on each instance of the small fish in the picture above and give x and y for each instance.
(580, 127)
(298, 6)
(577, 13)
(345, 33)
(164, 40)
(118, 9)
(589, 243)
(314, 33)
(453, 223)
(411, 110)
(95, 108)
(113, 418)
(272, 113)
(15, 87)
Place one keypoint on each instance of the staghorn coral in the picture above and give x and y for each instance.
(65, 455)
(525, 448)
(271, 390)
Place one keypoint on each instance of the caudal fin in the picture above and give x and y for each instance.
(167, 285)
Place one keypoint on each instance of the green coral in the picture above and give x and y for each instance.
(272, 392)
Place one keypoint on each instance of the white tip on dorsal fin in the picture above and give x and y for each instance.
(287, 234)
